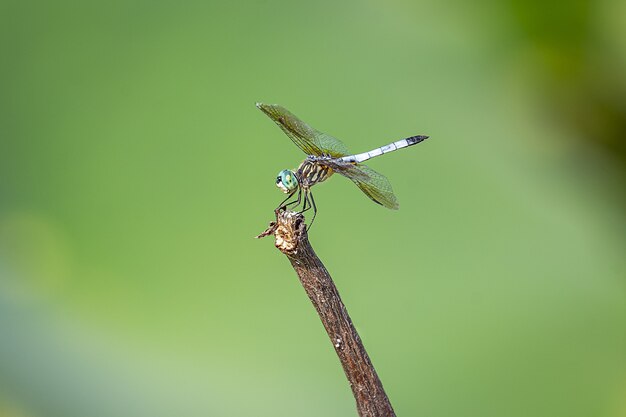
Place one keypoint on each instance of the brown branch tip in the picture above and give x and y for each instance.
(288, 229)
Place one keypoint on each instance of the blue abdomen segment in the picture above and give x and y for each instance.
(394, 146)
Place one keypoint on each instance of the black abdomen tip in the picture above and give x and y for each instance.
(416, 139)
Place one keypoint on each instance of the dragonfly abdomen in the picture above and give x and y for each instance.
(394, 146)
(311, 172)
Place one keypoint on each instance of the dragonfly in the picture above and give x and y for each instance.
(325, 156)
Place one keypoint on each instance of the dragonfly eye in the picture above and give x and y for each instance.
(286, 181)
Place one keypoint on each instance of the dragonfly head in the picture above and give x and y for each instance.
(287, 181)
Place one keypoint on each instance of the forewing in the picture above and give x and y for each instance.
(375, 185)
(310, 140)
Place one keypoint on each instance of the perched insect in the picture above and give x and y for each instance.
(327, 155)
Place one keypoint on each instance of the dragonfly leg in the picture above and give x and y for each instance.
(297, 201)
(314, 210)
(304, 204)
(282, 204)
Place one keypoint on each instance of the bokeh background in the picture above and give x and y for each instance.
(135, 171)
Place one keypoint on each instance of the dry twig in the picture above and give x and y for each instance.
(291, 238)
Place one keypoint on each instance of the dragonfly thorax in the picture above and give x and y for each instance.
(287, 181)
(313, 170)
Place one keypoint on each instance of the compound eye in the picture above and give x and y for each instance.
(287, 180)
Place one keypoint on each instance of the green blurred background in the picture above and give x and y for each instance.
(135, 170)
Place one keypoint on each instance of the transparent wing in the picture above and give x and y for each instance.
(375, 185)
(311, 141)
